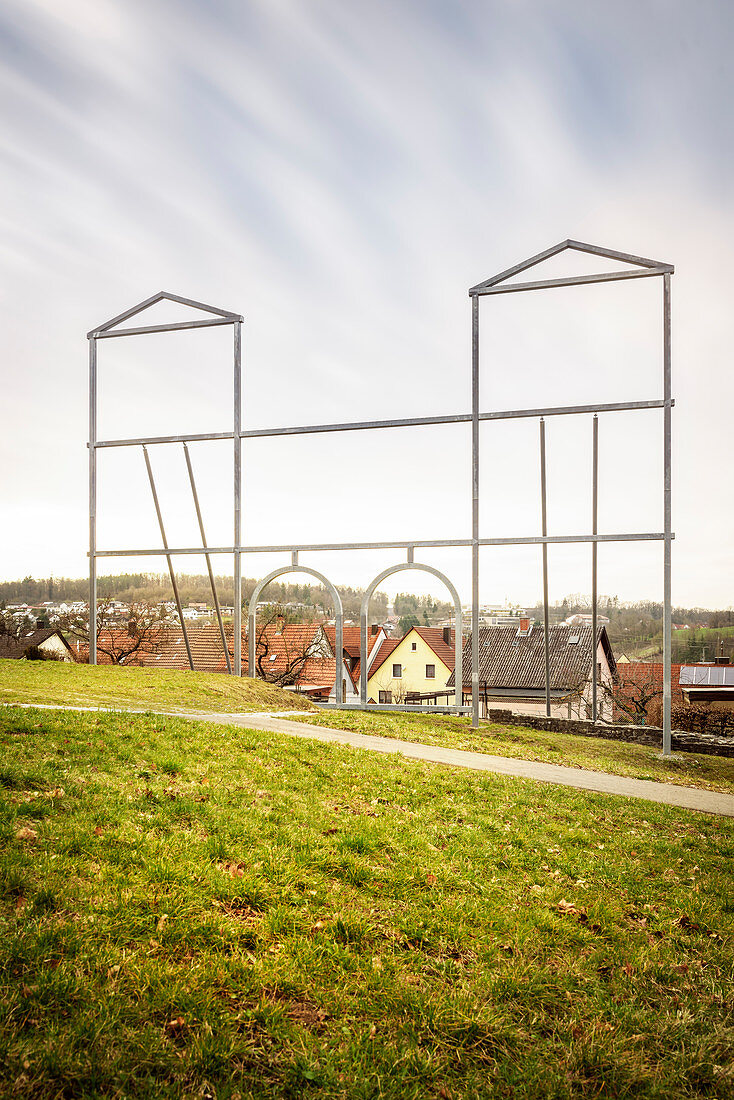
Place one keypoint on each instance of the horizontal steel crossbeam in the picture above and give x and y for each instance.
(147, 440)
(572, 280)
(401, 544)
(407, 422)
(208, 322)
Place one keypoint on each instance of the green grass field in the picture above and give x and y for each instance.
(713, 773)
(157, 688)
(191, 910)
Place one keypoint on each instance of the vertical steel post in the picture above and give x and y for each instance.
(544, 520)
(667, 516)
(213, 586)
(92, 501)
(363, 628)
(474, 516)
(339, 645)
(594, 548)
(238, 501)
(174, 585)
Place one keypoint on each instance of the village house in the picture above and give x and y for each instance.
(298, 656)
(45, 643)
(414, 668)
(512, 670)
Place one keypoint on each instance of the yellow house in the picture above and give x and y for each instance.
(418, 664)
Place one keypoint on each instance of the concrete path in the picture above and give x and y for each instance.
(689, 798)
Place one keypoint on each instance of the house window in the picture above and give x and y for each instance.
(430, 672)
(397, 672)
(385, 697)
(414, 646)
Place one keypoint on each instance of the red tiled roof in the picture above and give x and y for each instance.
(641, 674)
(386, 648)
(287, 647)
(352, 636)
(433, 636)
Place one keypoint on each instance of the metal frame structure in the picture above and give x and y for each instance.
(498, 284)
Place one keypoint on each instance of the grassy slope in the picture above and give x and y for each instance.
(213, 912)
(111, 685)
(713, 773)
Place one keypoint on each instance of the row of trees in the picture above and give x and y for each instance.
(153, 588)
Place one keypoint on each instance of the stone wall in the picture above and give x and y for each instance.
(640, 735)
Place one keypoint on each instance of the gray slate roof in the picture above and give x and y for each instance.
(509, 661)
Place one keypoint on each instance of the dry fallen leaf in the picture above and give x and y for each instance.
(161, 923)
(98, 830)
(26, 833)
(567, 907)
(176, 1025)
(235, 870)
(431, 880)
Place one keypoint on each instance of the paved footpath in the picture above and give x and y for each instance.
(689, 798)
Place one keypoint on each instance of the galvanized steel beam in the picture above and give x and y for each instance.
(524, 540)
(92, 502)
(424, 421)
(191, 437)
(572, 280)
(474, 516)
(667, 519)
(594, 554)
(544, 527)
(237, 489)
(208, 322)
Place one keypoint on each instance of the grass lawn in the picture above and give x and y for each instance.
(714, 773)
(116, 686)
(191, 910)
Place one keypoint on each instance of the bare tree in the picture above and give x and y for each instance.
(145, 629)
(283, 661)
(633, 697)
(12, 628)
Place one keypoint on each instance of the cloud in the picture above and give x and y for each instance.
(341, 174)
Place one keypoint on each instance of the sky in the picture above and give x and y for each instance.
(341, 174)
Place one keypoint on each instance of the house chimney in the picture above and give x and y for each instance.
(279, 623)
(447, 635)
(374, 630)
(524, 625)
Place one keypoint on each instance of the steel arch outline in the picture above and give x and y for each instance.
(369, 593)
(339, 642)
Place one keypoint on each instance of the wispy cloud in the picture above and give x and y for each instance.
(342, 173)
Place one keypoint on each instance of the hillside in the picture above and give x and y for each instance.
(155, 688)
